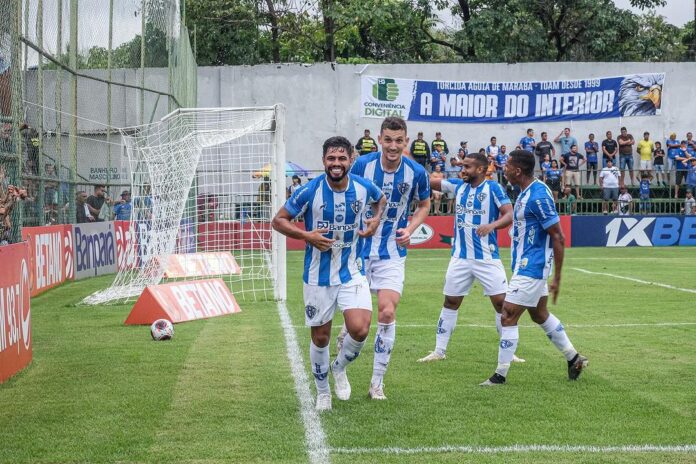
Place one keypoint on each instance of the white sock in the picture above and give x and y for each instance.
(498, 322)
(445, 327)
(509, 336)
(557, 334)
(350, 351)
(319, 357)
(384, 343)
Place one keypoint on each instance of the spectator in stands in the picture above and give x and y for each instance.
(691, 176)
(453, 169)
(566, 140)
(672, 145)
(571, 162)
(460, 156)
(482, 151)
(492, 149)
(123, 208)
(659, 163)
(6, 138)
(645, 178)
(440, 143)
(436, 195)
(491, 170)
(569, 201)
(82, 210)
(545, 166)
(689, 204)
(609, 150)
(527, 142)
(8, 199)
(98, 203)
(682, 165)
(30, 148)
(591, 151)
(437, 158)
(296, 183)
(463, 146)
(552, 177)
(645, 149)
(50, 200)
(625, 202)
(365, 144)
(626, 142)
(690, 143)
(500, 162)
(609, 184)
(420, 151)
(543, 148)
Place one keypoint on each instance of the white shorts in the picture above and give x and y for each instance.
(385, 274)
(321, 302)
(462, 272)
(645, 165)
(526, 291)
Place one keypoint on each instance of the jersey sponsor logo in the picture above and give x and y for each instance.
(422, 234)
(460, 209)
(310, 311)
(356, 206)
(336, 227)
(340, 207)
(339, 245)
(523, 264)
(531, 234)
(403, 187)
(393, 204)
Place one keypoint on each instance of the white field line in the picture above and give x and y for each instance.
(315, 437)
(574, 326)
(523, 449)
(646, 282)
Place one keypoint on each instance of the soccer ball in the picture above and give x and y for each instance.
(162, 329)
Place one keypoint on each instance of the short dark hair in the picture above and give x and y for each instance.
(543, 134)
(646, 133)
(573, 145)
(530, 130)
(99, 186)
(591, 134)
(623, 128)
(525, 160)
(482, 160)
(337, 142)
(493, 138)
(393, 123)
(566, 128)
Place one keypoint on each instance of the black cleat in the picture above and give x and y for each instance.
(496, 379)
(576, 366)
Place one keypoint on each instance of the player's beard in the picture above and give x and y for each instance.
(335, 179)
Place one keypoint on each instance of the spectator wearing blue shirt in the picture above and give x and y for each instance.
(691, 176)
(437, 158)
(566, 140)
(690, 143)
(682, 163)
(645, 179)
(673, 146)
(545, 165)
(124, 207)
(591, 150)
(492, 149)
(528, 143)
(500, 161)
(552, 178)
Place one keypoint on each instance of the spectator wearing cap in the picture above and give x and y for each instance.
(438, 142)
(420, 151)
(123, 208)
(453, 168)
(463, 146)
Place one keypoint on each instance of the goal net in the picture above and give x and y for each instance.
(204, 186)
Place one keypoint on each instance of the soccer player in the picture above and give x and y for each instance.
(401, 179)
(482, 207)
(333, 205)
(537, 241)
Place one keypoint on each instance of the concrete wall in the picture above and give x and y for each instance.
(323, 100)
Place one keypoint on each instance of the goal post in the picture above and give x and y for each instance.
(205, 184)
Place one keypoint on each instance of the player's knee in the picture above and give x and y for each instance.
(359, 334)
(321, 340)
(453, 302)
(387, 313)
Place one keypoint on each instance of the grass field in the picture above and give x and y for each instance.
(223, 390)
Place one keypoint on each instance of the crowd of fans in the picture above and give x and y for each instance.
(568, 167)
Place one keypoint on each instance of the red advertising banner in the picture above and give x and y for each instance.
(437, 232)
(15, 310)
(69, 251)
(183, 301)
(46, 256)
(201, 265)
(126, 248)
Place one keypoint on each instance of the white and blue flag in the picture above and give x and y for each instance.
(534, 212)
(339, 212)
(400, 187)
(475, 206)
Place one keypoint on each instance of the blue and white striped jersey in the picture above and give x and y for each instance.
(400, 187)
(534, 212)
(341, 213)
(475, 206)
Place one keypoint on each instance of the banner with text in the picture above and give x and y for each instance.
(512, 102)
(46, 256)
(95, 249)
(645, 231)
(15, 310)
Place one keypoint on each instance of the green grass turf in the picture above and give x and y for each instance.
(221, 391)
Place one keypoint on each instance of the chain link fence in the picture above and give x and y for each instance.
(71, 73)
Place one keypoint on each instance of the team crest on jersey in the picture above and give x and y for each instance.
(403, 187)
(482, 196)
(311, 311)
(356, 206)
